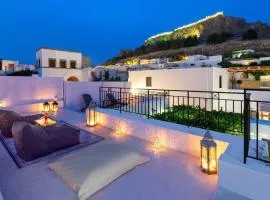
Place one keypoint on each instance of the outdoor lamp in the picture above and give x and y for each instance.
(46, 107)
(54, 106)
(208, 154)
(91, 115)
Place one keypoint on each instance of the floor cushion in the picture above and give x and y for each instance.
(7, 118)
(92, 168)
(35, 141)
(30, 140)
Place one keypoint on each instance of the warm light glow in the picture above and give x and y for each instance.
(91, 116)
(45, 121)
(46, 107)
(192, 33)
(2, 103)
(157, 145)
(54, 106)
(119, 132)
(208, 154)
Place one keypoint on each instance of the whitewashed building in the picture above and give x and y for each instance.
(10, 66)
(205, 79)
(197, 61)
(70, 65)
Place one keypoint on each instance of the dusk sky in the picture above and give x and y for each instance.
(101, 28)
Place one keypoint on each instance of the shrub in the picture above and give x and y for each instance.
(253, 64)
(225, 122)
(265, 63)
(190, 41)
(218, 38)
(251, 34)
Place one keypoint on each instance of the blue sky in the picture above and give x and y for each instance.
(101, 28)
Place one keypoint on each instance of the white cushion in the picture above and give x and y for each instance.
(96, 166)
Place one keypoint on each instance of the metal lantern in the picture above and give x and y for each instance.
(208, 154)
(91, 115)
(46, 107)
(54, 106)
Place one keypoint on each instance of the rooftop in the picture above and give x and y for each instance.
(169, 175)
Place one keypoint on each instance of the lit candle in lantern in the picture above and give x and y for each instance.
(91, 115)
(208, 154)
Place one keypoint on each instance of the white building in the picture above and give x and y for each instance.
(202, 79)
(10, 66)
(71, 65)
(248, 61)
(197, 61)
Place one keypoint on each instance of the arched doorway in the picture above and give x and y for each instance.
(73, 79)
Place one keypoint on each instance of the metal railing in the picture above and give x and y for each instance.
(257, 124)
(237, 113)
(219, 111)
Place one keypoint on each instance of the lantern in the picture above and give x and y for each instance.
(91, 115)
(208, 154)
(118, 130)
(46, 107)
(54, 106)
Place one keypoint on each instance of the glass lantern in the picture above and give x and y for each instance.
(208, 154)
(54, 106)
(46, 107)
(91, 115)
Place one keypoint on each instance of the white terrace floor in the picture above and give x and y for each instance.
(170, 175)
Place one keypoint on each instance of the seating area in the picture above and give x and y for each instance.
(164, 175)
(57, 151)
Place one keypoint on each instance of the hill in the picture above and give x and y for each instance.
(215, 34)
(214, 24)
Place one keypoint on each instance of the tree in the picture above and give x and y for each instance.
(106, 75)
(257, 75)
(251, 34)
(191, 41)
(125, 53)
(218, 38)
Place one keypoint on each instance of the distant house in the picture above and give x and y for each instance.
(239, 54)
(71, 65)
(10, 66)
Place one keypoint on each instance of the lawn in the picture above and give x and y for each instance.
(225, 122)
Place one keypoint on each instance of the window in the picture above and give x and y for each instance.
(148, 81)
(1, 65)
(73, 64)
(38, 63)
(220, 81)
(52, 62)
(63, 63)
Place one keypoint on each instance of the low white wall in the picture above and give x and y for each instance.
(66, 73)
(30, 92)
(249, 181)
(174, 136)
(74, 91)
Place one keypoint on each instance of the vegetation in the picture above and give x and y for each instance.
(225, 122)
(153, 47)
(251, 34)
(218, 38)
(257, 75)
(227, 64)
(23, 73)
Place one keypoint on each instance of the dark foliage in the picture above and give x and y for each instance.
(218, 38)
(251, 34)
(225, 122)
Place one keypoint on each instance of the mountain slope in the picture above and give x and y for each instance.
(217, 23)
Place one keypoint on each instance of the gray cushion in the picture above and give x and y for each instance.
(7, 118)
(30, 141)
(35, 141)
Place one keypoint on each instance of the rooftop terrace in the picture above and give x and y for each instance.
(172, 172)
